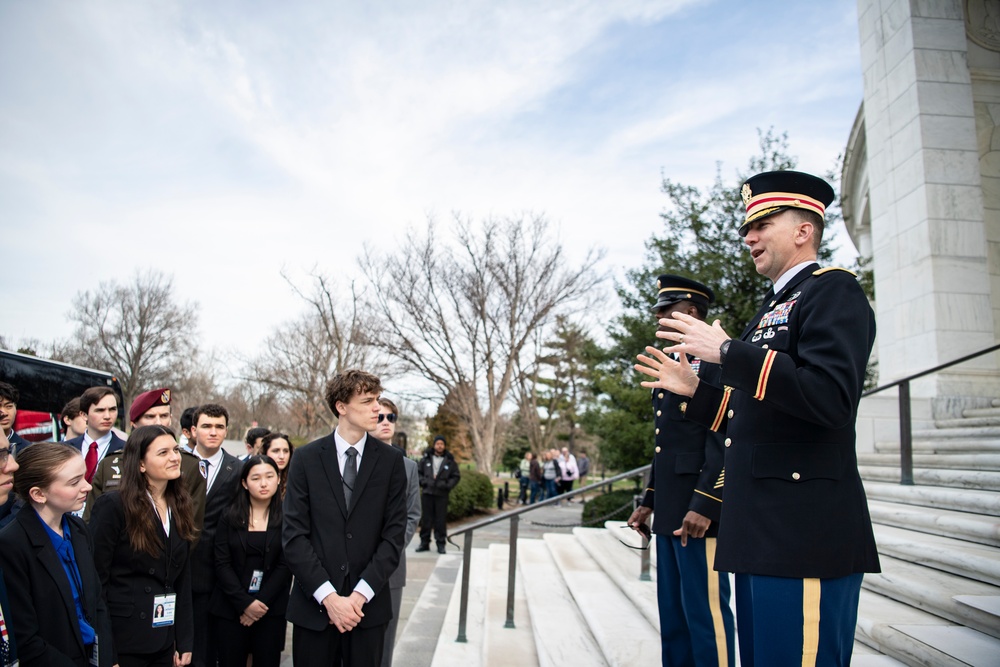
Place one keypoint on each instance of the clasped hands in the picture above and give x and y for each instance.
(253, 613)
(691, 336)
(344, 610)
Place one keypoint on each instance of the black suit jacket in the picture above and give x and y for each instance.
(217, 502)
(231, 595)
(43, 614)
(326, 541)
(5, 606)
(788, 400)
(687, 472)
(131, 580)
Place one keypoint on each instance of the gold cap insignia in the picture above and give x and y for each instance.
(658, 285)
(165, 396)
(746, 193)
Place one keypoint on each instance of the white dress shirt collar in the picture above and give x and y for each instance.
(787, 276)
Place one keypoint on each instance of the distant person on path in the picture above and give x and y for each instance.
(570, 473)
(551, 472)
(583, 465)
(439, 474)
(535, 479)
(524, 477)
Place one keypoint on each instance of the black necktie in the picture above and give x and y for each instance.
(350, 473)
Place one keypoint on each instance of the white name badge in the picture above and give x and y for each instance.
(163, 609)
(95, 655)
(255, 581)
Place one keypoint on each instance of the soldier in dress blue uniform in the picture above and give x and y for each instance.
(685, 496)
(795, 525)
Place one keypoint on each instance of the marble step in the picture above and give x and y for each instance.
(981, 412)
(935, 592)
(448, 652)
(604, 548)
(983, 434)
(427, 619)
(618, 530)
(965, 559)
(554, 612)
(503, 646)
(625, 636)
(968, 422)
(941, 443)
(962, 462)
(960, 525)
(955, 479)
(920, 639)
(960, 500)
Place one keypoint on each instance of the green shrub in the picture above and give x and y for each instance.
(600, 506)
(473, 492)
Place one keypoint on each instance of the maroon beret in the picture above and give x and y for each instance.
(147, 400)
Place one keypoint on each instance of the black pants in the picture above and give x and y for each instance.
(164, 658)
(361, 647)
(204, 632)
(263, 640)
(434, 514)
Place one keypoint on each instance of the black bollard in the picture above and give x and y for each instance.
(499, 499)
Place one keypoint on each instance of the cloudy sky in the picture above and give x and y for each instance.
(220, 141)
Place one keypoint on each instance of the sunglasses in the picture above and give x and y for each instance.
(391, 417)
(645, 531)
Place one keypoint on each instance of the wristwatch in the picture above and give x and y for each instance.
(724, 350)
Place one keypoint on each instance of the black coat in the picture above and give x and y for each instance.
(788, 400)
(447, 478)
(217, 502)
(232, 576)
(131, 580)
(687, 463)
(323, 541)
(42, 611)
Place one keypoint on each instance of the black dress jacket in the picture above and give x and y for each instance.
(42, 612)
(131, 580)
(232, 574)
(687, 473)
(788, 401)
(326, 541)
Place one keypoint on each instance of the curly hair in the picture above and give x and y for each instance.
(348, 384)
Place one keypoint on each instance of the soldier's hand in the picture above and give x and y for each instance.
(674, 376)
(693, 336)
(694, 525)
(639, 516)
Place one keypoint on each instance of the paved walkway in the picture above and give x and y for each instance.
(560, 519)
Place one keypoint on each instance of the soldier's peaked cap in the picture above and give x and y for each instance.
(670, 289)
(775, 191)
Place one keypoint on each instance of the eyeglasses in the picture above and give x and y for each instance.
(391, 417)
(4, 456)
(645, 531)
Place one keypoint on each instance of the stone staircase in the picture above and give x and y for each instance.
(937, 600)
(579, 600)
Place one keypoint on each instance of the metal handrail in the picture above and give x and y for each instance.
(905, 416)
(514, 516)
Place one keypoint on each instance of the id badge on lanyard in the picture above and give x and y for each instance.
(163, 609)
(255, 581)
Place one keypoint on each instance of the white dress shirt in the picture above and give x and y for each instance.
(342, 445)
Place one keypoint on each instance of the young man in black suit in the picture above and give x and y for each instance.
(795, 526)
(221, 470)
(101, 406)
(8, 647)
(9, 396)
(345, 518)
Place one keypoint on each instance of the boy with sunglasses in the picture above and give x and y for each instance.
(385, 429)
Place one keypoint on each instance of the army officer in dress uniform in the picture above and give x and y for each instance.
(685, 495)
(795, 525)
(149, 408)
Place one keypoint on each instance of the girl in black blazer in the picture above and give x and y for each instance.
(143, 534)
(57, 615)
(252, 579)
